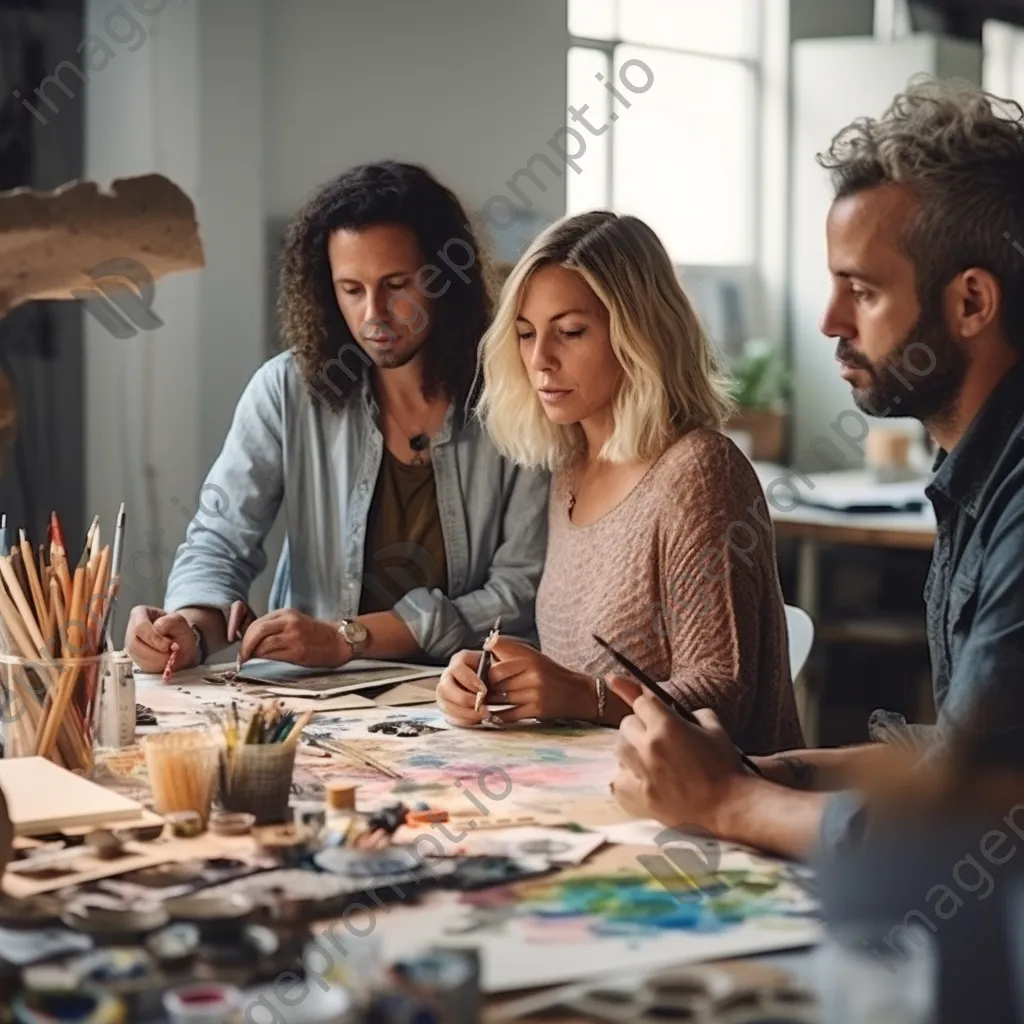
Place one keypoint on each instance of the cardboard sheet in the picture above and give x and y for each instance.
(52, 242)
(42, 797)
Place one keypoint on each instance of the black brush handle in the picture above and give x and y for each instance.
(665, 697)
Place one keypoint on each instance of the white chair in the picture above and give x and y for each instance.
(800, 627)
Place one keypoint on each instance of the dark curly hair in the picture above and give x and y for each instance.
(311, 323)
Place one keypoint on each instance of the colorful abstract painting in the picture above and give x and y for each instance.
(568, 761)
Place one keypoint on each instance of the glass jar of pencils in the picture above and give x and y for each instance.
(48, 707)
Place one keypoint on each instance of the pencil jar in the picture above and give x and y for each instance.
(48, 707)
(182, 769)
(257, 780)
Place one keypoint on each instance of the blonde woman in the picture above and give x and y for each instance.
(597, 368)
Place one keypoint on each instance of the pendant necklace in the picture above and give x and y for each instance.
(419, 443)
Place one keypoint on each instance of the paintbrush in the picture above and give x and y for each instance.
(334, 746)
(486, 658)
(664, 696)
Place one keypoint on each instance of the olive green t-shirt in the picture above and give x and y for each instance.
(404, 542)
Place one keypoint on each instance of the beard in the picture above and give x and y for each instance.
(400, 350)
(920, 378)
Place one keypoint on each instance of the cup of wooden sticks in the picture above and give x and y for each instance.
(182, 769)
(257, 761)
(55, 639)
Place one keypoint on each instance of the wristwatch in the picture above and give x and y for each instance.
(202, 653)
(355, 634)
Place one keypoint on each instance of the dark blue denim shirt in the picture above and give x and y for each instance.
(974, 594)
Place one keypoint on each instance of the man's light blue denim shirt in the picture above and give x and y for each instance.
(288, 448)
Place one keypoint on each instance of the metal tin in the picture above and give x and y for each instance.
(184, 824)
(116, 719)
(446, 983)
(80, 1007)
(311, 816)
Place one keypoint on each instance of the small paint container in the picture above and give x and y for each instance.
(81, 1007)
(204, 1003)
(311, 816)
(184, 824)
(231, 823)
(445, 979)
(340, 796)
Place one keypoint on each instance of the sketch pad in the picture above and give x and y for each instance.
(362, 674)
(42, 797)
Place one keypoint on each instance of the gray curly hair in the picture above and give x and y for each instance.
(961, 151)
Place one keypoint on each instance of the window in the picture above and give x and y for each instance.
(671, 90)
(1003, 60)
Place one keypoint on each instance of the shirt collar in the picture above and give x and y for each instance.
(372, 410)
(961, 475)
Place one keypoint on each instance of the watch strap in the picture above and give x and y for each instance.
(202, 651)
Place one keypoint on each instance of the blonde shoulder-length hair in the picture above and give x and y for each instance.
(672, 381)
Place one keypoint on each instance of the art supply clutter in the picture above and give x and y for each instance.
(54, 635)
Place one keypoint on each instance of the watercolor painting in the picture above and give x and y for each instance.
(614, 916)
(568, 761)
(633, 903)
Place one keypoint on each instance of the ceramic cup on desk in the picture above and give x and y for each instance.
(887, 454)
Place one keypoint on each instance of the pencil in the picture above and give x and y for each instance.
(485, 664)
(3, 534)
(32, 574)
(663, 695)
(115, 575)
(21, 603)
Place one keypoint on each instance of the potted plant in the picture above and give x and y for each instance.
(760, 383)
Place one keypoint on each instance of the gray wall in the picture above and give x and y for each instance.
(831, 87)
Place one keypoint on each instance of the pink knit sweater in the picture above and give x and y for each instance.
(681, 577)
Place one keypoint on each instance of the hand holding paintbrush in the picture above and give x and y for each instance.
(663, 695)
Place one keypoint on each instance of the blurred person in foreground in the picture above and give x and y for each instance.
(407, 534)
(598, 369)
(924, 249)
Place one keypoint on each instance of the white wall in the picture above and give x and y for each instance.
(470, 88)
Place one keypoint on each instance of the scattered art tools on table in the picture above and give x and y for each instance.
(335, 746)
(663, 695)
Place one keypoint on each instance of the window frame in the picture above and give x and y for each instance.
(753, 63)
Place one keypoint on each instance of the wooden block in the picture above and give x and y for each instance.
(43, 798)
(340, 796)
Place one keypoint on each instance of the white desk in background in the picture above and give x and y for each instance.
(812, 526)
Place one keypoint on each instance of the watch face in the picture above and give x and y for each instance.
(356, 632)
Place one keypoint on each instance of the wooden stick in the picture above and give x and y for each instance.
(21, 602)
(65, 685)
(60, 622)
(34, 584)
(59, 561)
(16, 625)
(296, 730)
(94, 611)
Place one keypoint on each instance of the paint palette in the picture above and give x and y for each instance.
(694, 995)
